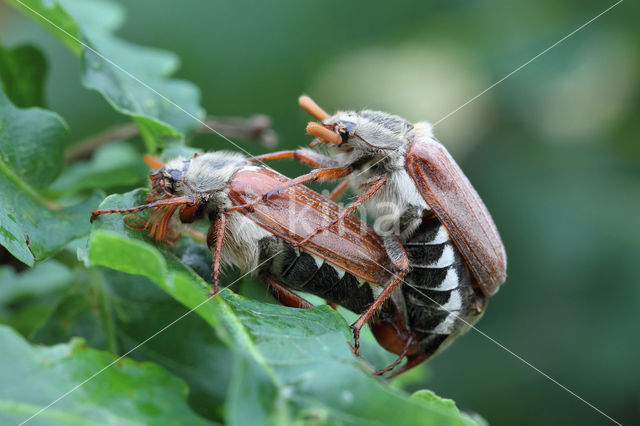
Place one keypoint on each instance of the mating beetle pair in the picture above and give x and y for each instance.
(418, 284)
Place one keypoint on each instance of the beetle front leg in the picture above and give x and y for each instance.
(215, 235)
(317, 175)
(176, 201)
(305, 156)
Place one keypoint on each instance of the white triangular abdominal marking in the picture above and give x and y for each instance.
(450, 281)
(447, 258)
(454, 303)
(441, 237)
(447, 326)
(319, 260)
(339, 271)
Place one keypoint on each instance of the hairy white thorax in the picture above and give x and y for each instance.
(240, 246)
(377, 146)
(212, 171)
(207, 177)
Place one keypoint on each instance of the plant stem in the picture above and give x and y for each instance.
(257, 127)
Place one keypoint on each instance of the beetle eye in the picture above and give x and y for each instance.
(349, 126)
(346, 129)
(175, 174)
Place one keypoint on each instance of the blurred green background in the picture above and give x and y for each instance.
(553, 150)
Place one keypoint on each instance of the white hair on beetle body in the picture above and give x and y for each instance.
(206, 177)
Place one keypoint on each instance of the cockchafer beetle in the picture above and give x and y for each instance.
(348, 265)
(406, 177)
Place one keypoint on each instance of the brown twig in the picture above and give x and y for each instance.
(257, 127)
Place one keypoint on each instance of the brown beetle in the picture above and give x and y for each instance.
(348, 265)
(406, 177)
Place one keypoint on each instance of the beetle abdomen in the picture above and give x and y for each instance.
(303, 271)
(438, 291)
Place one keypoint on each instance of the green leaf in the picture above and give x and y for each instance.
(291, 365)
(83, 312)
(29, 134)
(22, 72)
(133, 79)
(128, 392)
(13, 238)
(31, 148)
(114, 165)
(29, 297)
(431, 398)
(120, 311)
(149, 97)
(53, 17)
(48, 230)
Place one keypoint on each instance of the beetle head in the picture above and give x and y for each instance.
(167, 180)
(368, 132)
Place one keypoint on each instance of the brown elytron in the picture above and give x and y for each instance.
(291, 215)
(437, 177)
(458, 206)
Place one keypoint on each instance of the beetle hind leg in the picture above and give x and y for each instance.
(395, 363)
(412, 361)
(284, 295)
(401, 262)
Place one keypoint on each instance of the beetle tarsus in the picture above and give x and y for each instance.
(356, 339)
(397, 362)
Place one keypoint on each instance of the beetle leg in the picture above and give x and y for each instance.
(398, 256)
(284, 295)
(187, 213)
(248, 206)
(306, 156)
(214, 241)
(338, 190)
(375, 186)
(167, 202)
(395, 363)
(320, 175)
(288, 297)
(412, 361)
(131, 218)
